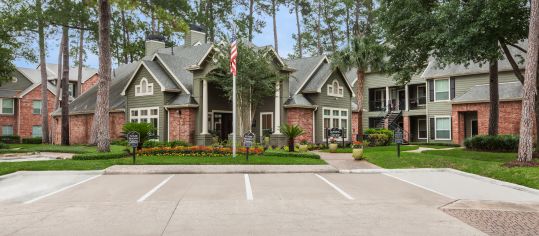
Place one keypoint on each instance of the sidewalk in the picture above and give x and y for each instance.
(217, 169)
(345, 161)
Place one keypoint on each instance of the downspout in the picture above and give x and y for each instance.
(427, 110)
(314, 124)
(19, 117)
(168, 124)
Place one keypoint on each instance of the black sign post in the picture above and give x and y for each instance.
(248, 139)
(133, 139)
(398, 140)
(336, 133)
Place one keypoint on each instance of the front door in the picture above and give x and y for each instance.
(475, 130)
(402, 100)
(226, 125)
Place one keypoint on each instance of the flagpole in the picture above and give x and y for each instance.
(234, 116)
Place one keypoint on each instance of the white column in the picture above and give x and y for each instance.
(204, 106)
(387, 98)
(277, 125)
(407, 98)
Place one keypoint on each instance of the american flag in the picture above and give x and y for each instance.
(233, 55)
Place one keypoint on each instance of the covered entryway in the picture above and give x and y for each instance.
(222, 124)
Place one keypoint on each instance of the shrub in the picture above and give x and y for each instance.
(119, 142)
(292, 154)
(153, 144)
(10, 139)
(100, 156)
(145, 130)
(378, 140)
(387, 132)
(196, 151)
(4, 146)
(35, 140)
(496, 143)
(291, 132)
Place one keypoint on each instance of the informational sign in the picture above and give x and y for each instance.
(335, 132)
(133, 138)
(248, 139)
(398, 136)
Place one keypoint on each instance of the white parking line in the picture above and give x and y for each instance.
(248, 190)
(60, 190)
(148, 194)
(419, 186)
(346, 195)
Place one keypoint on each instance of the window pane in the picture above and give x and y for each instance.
(326, 112)
(326, 123)
(154, 112)
(143, 112)
(442, 134)
(442, 95)
(344, 113)
(443, 124)
(143, 120)
(36, 131)
(134, 113)
(442, 89)
(7, 130)
(335, 113)
(340, 91)
(7, 106)
(36, 107)
(134, 121)
(335, 123)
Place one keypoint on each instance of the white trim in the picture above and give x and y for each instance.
(170, 72)
(135, 73)
(261, 122)
(436, 128)
(12, 106)
(149, 116)
(339, 118)
(149, 92)
(345, 81)
(338, 87)
(417, 93)
(426, 127)
(448, 90)
(311, 74)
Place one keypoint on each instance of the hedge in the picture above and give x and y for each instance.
(201, 151)
(100, 156)
(10, 139)
(292, 154)
(35, 140)
(496, 143)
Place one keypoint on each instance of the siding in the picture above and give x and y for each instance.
(156, 100)
(323, 100)
(22, 82)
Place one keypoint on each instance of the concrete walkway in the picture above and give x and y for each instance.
(34, 156)
(422, 149)
(345, 161)
(217, 169)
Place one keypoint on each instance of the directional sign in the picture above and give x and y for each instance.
(133, 138)
(398, 136)
(335, 132)
(248, 139)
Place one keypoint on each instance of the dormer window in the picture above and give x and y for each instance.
(144, 88)
(335, 89)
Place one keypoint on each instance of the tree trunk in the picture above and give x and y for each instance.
(359, 94)
(348, 27)
(251, 19)
(273, 12)
(331, 30)
(103, 86)
(318, 29)
(494, 98)
(64, 104)
(44, 82)
(124, 35)
(298, 26)
(81, 52)
(59, 73)
(525, 147)
(512, 61)
(291, 145)
(211, 18)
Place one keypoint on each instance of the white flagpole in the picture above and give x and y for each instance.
(234, 116)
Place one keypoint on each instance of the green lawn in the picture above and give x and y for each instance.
(79, 149)
(487, 164)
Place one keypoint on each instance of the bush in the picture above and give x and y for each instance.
(196, 151)
(291, 154)
(145, 130)
(387, 132)
(10, 139)
(374, 140)
(4, 146)
(497, 143)
(153, 144)
(100, 156)
(35, 140)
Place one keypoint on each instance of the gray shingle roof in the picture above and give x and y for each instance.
(87, 72)
(85, 103)
(161, 76)
(182, 100)
(298, 100)
(5, 93)
(318, 79)
(433, 69)
(480, 93)
(33, 75)
(304, 67)
(351, 76)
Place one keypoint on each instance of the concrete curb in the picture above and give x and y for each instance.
(52, 172)
(458, 172)
(217, 169)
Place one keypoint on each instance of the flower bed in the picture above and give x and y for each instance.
(197, 151)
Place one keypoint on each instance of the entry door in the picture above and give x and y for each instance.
(223, 125)
(402, 100)
(474, 128)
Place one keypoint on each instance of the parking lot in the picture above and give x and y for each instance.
(226, 204)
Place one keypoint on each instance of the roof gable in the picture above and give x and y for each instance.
(157, 73)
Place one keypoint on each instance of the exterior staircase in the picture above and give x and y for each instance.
(390, 121)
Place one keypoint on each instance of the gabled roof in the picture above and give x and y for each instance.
(318, 79)
(298, 100)
(351, 76)
(481, 93)
(34, 75)
(433, 69)
(87, 72)
(305, 67)
(165, 82)
(181, 100)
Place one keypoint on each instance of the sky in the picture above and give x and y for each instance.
(285, 28)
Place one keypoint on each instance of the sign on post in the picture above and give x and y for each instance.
(248, 140)
(133, 139)
(398, 138)
(336, 133)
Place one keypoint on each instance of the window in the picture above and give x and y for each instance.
(71, 89)
(421, 128)
(144, 88)
(7, 105)
(14, 80)
(36, 107)
(443, 128)
(146, 115)
(421, 95)
(441, 90)
(266, 124)
(7, 130)
(336, 118)
(335, 90)
(36, 131)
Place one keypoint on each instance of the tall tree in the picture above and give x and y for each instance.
(43, 73)
(102, 106)
(64, 103)
(525, 150)
(274, 18)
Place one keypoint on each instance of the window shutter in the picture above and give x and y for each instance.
(432, 130)
(452, 84)
(431, 90)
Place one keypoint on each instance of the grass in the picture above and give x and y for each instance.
(78, 149)
(267, 159)
(487, 164)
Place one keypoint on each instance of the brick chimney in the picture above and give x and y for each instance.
(196, 34)
(153, 43)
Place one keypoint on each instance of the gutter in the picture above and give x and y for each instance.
(301, 106)
(487, 101)
(182, 106)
